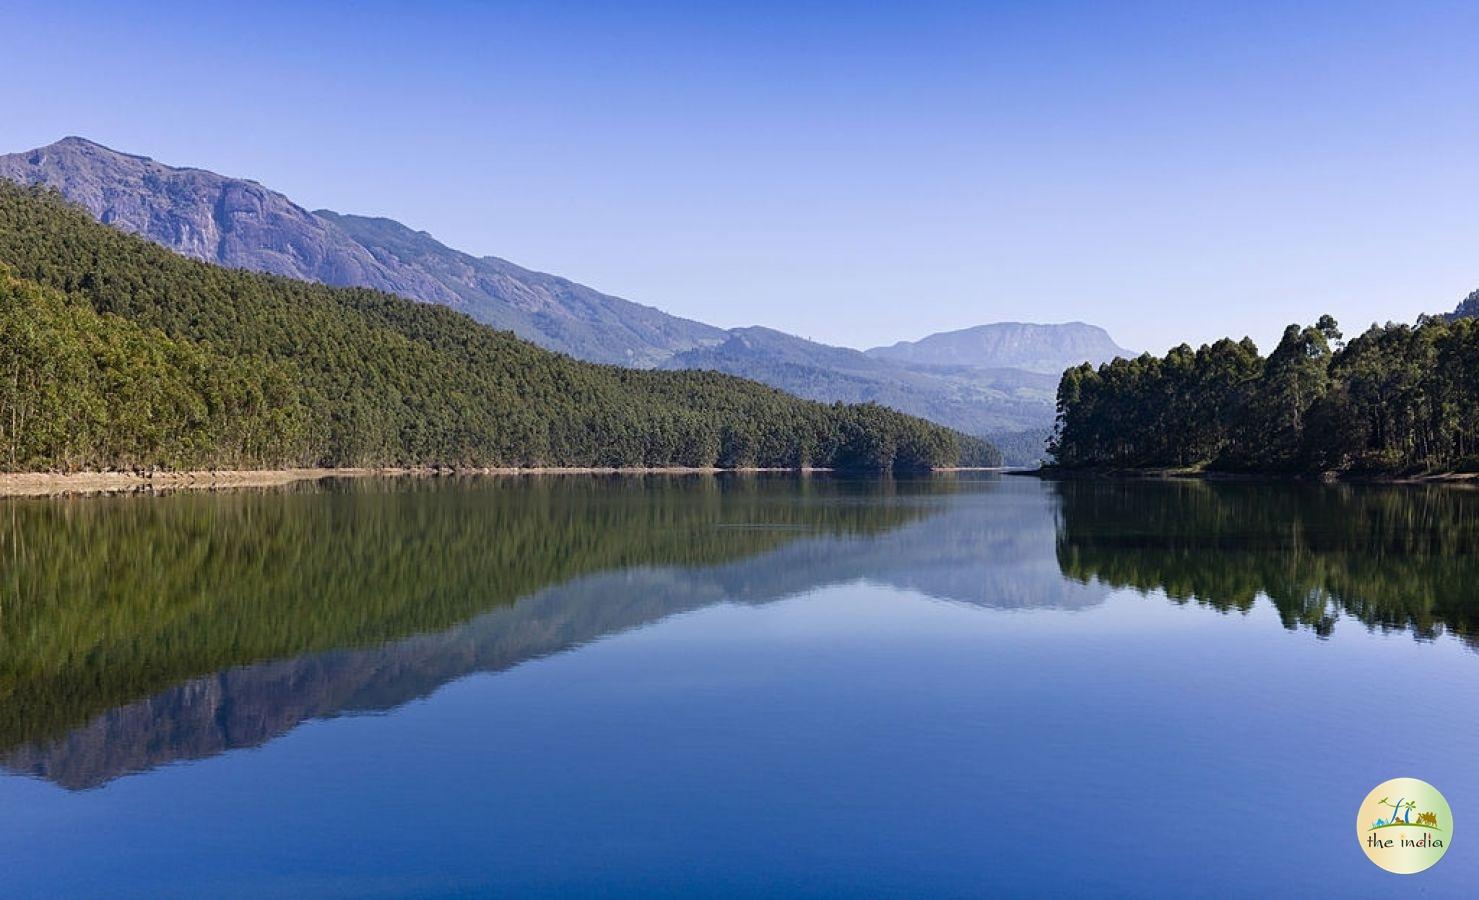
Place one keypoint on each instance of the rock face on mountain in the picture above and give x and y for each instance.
(980, 401)
(1467, 309)
(200, 214)
(240, 223)
(547, 309)
(1038, 348)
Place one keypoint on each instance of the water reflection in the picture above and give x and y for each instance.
(139, 631)
(1398, 557)
(237, 616)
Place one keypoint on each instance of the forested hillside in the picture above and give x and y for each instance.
(986, 381)
(78, 389)
(245, 225)
(118, 353)
(1397, 399)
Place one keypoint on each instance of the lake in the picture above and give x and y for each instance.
(958, 685)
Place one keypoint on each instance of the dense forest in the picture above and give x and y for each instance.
(1398, 399)
(118, 354)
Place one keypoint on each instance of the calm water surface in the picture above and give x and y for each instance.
(732, 686)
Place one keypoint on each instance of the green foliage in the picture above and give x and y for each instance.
(1397, 399)
(188, 364)
(77, 387)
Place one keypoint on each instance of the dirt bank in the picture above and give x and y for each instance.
(44, 483)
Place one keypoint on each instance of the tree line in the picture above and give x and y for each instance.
(1396, 399)
(118, 354)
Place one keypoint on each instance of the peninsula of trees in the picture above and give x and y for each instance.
(1397, 400)
(118, 354)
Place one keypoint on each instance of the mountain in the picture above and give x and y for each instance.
(551, 311)
(126, 355)
(986, 381)
(1037, 348)
(1468, 309)
(241, 224)
(976, 401)
(997, 381)
(205, 216)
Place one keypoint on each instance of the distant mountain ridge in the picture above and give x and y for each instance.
(229, 221)
(547, 309)
(975, 400)
(239, 223)
(1020, 345)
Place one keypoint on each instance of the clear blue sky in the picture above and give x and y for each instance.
(856, 174)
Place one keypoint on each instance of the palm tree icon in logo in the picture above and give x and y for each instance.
(1404, 809)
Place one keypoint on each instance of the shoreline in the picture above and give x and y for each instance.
(43, 484)
(1052, 474)
(37, 484)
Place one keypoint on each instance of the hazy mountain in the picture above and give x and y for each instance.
(996, 381)
(1038, 348)
(974, 400)
(240, 223)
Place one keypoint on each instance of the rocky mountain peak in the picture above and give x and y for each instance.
(229, 221)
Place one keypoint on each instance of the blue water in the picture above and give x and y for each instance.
(935, 708)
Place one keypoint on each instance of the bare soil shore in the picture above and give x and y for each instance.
(22, 484)
(41, 484)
